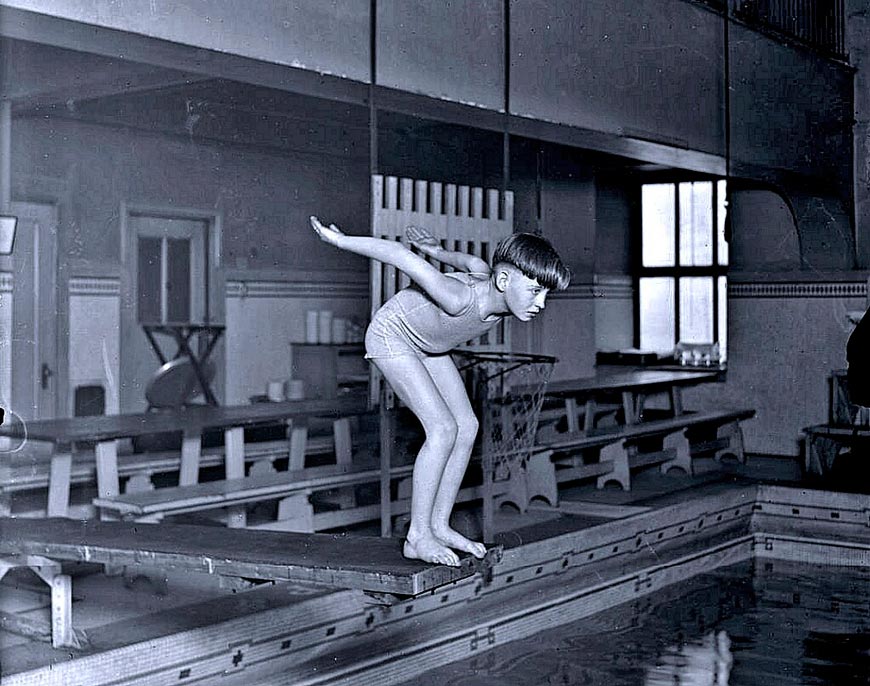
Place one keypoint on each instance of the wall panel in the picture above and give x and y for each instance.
(449, 50)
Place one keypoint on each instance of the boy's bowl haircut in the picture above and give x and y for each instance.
(535, 257)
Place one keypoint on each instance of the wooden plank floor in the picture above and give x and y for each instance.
(339, 560)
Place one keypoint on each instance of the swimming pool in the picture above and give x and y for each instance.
(577, 571)
(742, 625)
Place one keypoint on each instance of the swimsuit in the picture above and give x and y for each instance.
(411, 323)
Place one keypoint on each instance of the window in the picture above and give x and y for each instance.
(682, 283)
(171, 269)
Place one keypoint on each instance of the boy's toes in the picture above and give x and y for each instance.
(478, 550)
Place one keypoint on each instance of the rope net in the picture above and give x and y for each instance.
(507, 391)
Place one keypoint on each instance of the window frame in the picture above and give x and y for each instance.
(714, 271)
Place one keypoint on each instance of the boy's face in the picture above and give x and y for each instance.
(525, 297)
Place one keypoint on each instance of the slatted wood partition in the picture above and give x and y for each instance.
(463, 218)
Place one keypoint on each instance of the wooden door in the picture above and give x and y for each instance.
(34, 377)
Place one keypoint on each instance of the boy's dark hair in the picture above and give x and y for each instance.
(535, 257)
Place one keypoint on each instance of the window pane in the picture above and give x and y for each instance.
(148, 281)
(178, 280)
(723, 318)
(696, 224)
(658, 218)
(721, 214)
(657, 314)
(696, 309)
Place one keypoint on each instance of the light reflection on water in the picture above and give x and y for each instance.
(779, 624)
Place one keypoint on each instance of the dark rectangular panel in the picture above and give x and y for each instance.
(148, 287)
(178, 280)
(450, 50)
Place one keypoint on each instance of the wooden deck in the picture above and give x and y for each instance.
(597, 550)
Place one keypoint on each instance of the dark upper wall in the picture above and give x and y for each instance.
(636, 69)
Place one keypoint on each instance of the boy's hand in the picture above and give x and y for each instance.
(421, 239)
(330, 234)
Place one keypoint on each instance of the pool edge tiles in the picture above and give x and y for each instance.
(536, 585)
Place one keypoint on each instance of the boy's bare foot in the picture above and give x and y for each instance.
(454, 539)
(429, 549)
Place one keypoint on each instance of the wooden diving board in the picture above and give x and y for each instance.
(357, 562)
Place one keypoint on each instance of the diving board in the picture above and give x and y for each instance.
(358, 562)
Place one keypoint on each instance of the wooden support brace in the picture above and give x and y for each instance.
(298, 445)
(343, 455)
(234, 445)
(191, 448)
(617, 455)
(58, 483)
(733, 433)
(682, 459)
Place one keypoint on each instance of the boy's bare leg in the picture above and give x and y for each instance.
(412, 383)
(452, 389)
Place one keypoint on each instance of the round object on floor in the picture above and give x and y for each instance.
(175, 383)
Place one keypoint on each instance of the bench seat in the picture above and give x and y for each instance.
(34, 475)
(293, 486)
(559, 460)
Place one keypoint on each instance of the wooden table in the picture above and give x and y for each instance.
(191, 422)
(633, 385)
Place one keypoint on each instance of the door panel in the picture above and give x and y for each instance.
(34, 318)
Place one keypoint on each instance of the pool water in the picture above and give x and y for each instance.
(761, 624)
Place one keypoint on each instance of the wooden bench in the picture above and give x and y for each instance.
(619, 453)
(825, 441)
(138, 469)
(291, 488)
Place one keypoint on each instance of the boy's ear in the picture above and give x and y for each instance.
(502, 277)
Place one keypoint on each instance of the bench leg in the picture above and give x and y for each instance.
(540, 479)
(733, 433)
(517, 493)
(682, 455)
(62, 633)
(298, 444)
(58, 484)
(344, 456)
(234, 444)
(191, 447)
(617, 455)
(139, 483)
(296, 514)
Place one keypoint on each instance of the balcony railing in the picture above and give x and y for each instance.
(818, 24)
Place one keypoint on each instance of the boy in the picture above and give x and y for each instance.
(409, 340)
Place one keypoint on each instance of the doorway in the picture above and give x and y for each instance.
(31, 386)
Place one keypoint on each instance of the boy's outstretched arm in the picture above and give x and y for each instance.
(450, 294)
(426, 243)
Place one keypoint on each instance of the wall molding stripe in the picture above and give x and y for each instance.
(95, 285)
(286, 289)
(857, 289)
(612, 290)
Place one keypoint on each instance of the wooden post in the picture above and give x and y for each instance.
(387, 436)
(58, 482)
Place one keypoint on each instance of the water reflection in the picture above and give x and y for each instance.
(705, 662)
(745, 625)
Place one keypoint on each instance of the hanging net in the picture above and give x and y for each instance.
(507, 391)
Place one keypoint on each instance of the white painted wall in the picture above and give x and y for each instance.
(94, 326)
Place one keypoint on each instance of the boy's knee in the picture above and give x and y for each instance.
(467, 428)
(443, 431)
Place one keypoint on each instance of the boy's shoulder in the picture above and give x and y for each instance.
(469, 278)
